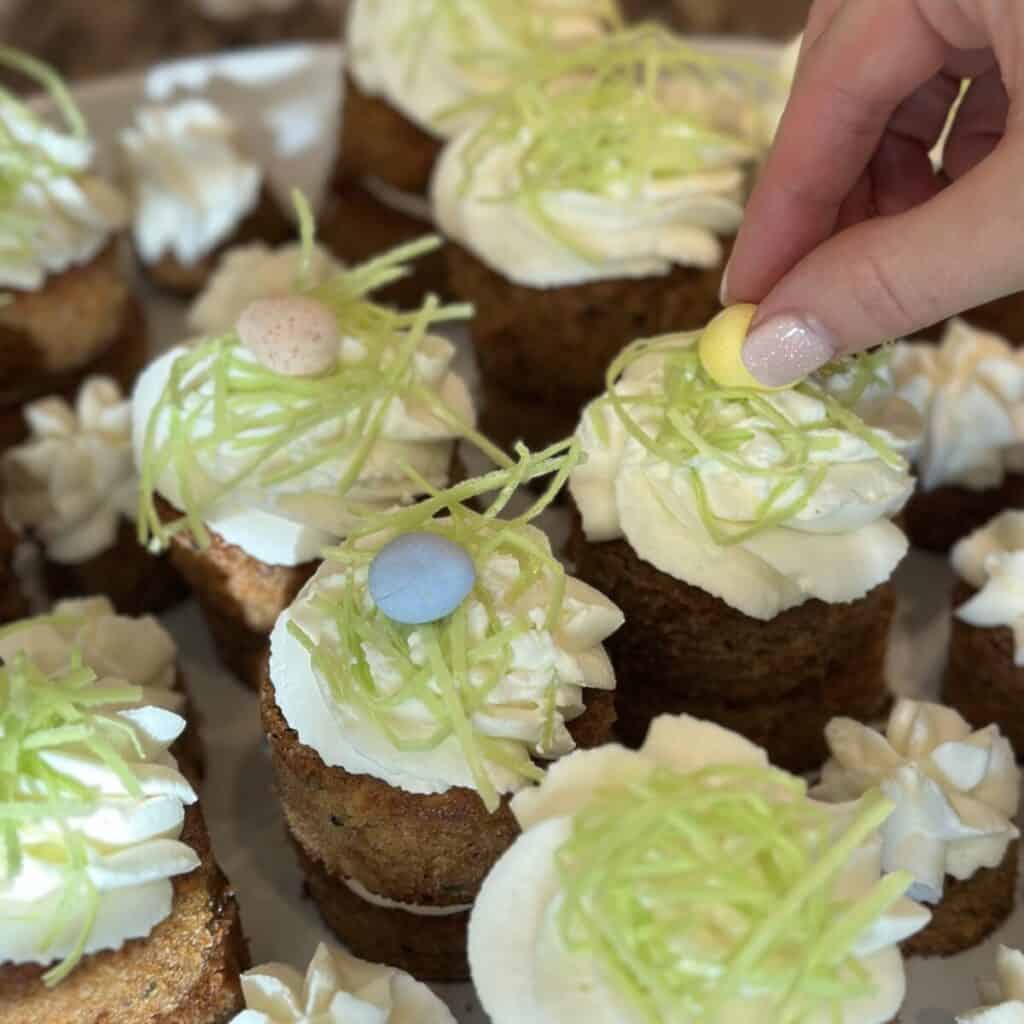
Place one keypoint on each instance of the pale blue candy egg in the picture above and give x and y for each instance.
(420, 577)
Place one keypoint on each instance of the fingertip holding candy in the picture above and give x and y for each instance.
(292, 335)
(720, 348)
(420, 577)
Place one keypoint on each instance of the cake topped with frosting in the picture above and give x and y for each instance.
(763, 499)
(955, 790)
(73, 482)
(969, 390)
(95, 802)
(337, 989)
(191, 181)
(381, 680)
(617, 159)
(1002, 996)
(689, 880)
(243, 434)
(426, 56)
(54, 212)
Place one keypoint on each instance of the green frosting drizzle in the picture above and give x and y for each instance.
(694, 891)
(448, 672)
(692, 420)
(258, 415)
(41, 713)
(22, 162)
(598, 119)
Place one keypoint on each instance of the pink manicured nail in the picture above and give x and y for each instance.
(785, 348)
(723, 290)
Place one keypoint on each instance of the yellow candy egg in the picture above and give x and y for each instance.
(721, 346)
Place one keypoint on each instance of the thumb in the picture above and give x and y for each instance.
(891, 276)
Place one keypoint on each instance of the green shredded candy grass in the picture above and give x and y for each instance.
(453, 678)
(694, 891)
(598, 120)
(22, 162)
(41, 713)
(693, 421)
(260, 416)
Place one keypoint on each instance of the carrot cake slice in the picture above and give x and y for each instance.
(1003, 996)
(337, 988)
(72, 489)
(956, 792)
(195, 193)
(256, 445)
(69, 309)
(969, 390)
(434, 664)
(112, 906)
(690, 881)
(592, 203)
(747, 537)
(985, 672)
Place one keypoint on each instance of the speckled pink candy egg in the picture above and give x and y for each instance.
(293, 335)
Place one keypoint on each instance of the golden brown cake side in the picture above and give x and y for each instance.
(61, 327)
(378, 141)
(554, 345)
(426, 850)
(936, 520)
(136, 581)
(970, 910)
(357, 227)
(241, 596)
(266, 222)
(982, 681)
(186, 971)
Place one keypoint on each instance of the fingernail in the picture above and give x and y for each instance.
(723, 290)
(785, 348)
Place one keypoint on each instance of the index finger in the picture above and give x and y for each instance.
(873, 55)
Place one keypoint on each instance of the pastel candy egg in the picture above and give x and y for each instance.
(420, 577)
(292, 335)
(721, 348)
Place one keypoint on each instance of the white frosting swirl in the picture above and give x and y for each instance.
(73, 482)
(192, 185)
(291, 522)
(246, 273)
(413, 53)
(130, 843)
(337, 989)
(956, 790)
(970, 391)
(624, 233)
(521, 968)
(71, 216)
(1003, 997)
(992, 561)
(837, 547)
(543, 665)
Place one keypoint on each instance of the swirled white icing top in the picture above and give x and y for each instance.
(956, 790)
(73, 482)
(1003, 996)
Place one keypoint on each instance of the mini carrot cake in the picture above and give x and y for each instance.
(434, 663)
(594, 203)
(956, 793)
(1003, 996)
(410, 64)
(195, 193)
(746, 536)
(337, 989)
(256, 446)
(970, 392)
(72, 488)
(690, 881)
(985, 671)
(68, 308)
(12, 601)
(111, 904)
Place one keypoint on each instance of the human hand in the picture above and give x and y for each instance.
(850, 237)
